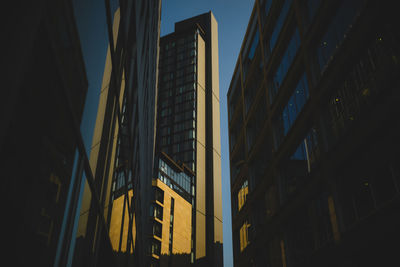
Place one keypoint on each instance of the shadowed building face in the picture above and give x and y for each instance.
(313, 148)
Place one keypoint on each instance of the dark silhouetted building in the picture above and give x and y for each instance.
(313, 110)
(64, 208)
(42, 99)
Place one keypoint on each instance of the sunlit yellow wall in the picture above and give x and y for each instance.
(115, 223)
(182, 227)
(97, 139)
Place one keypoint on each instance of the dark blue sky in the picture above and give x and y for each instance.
(232, 17)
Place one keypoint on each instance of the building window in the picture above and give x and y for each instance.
(244, 236)
(336, 31)
(235, 93)
(171, 226)
(253, 83)
(286, 62)
(291, 111)
(250, 48)
(157, 229)
(357, 92)
(257, 168)
(256, 122)
(279, 23)
(254, 44)
(158, 194)
(179, 181)
(242, 194)
(265, 8)
(367, 184)
(156, 211)
(297, 168)
(155, 247)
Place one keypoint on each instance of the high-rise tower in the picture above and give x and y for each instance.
(188, 124)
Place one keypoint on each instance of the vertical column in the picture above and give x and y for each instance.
(201, 151)
(216, 138)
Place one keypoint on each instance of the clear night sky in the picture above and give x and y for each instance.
(232, 17)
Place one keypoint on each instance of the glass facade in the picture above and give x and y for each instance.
(279, 24)
(253, 84)
(291, 110)
(286, 62)
(250, 48)
(236, 94)
(177, 99)
(336, 31)
(311, 7)
(296, 170)
(360, 87)
(256, 122)
(179, 181)
(372, 182)
(265, 8)
(318, 155)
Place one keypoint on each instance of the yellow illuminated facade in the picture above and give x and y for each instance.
(176, 226)
(120, 220)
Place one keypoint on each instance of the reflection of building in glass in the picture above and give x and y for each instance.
(312, 106)
(113, 217)
(188, 128)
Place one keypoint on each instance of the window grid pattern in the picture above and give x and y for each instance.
(362, 85)
(177, 180)
(177, 99)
